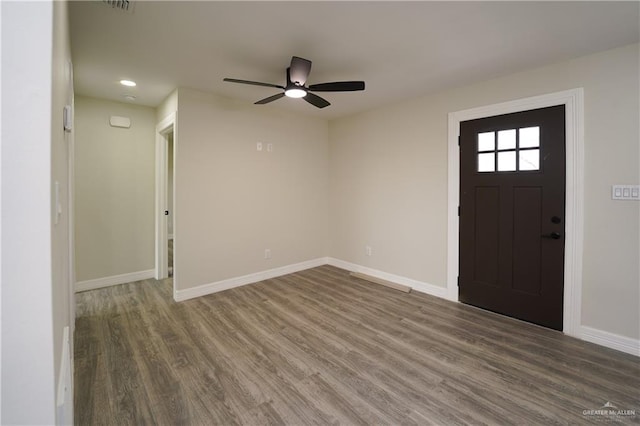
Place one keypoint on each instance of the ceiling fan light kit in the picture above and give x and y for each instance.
(295, 92)
(297, 75)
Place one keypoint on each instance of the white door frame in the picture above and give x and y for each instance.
(71, 195)
(166, 126)
(573, 100)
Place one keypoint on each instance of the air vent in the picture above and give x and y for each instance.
(123, 5)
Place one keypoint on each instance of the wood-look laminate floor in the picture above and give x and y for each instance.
(320, 347)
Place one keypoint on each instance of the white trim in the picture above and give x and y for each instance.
(64, 393)
(113, 280)
(573, 100)
(71, 220)
(205, 289)
(420, 286)
(161, 251)
(610, 340)
(1, 115)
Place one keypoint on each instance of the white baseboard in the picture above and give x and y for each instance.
(64, 393)
(205, 289)
(610, 340)
(420, 286)
(113, 280)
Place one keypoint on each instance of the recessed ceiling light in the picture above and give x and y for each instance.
(129, 97)
(128, 83)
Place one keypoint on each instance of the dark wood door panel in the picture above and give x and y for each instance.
(511, 251)
(515, 304)
(527, 244)
(487, 224)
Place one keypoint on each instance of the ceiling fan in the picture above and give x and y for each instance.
(297, 74)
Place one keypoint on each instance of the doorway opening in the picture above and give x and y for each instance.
(574, 189)
(164, 211)
(170, 168)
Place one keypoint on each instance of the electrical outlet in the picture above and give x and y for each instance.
(267, 253)
(367, 250)
(259, 146)
(269, 147)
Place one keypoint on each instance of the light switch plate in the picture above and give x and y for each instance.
(67, 119)
(625, 192)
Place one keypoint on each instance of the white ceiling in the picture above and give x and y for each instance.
(401, 49)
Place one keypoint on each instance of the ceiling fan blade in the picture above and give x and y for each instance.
(300, 69)
(269, 99)
(316, 100)
(338, 86)
(253, 83)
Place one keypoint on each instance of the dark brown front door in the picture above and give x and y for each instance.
(512, 196)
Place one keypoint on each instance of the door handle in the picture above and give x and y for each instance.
(553, 236)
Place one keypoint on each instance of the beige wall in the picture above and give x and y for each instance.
(63, 300)
(35, 279)
(168, 106)
(233, 202)
(114, 182)
(388, 181)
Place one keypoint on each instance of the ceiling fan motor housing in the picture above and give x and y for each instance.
(296, 87)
